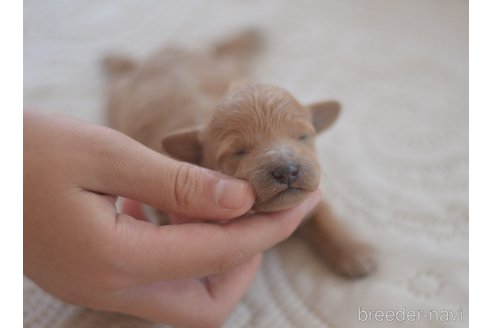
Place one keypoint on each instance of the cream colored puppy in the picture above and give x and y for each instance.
(183, 104)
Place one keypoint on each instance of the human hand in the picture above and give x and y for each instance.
(79, 248)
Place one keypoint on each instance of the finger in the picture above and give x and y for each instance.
(126, 168)
(190, 302)
(150, 253)
(132, 208)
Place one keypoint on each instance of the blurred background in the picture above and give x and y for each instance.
(395, 164)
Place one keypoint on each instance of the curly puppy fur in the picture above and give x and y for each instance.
(190, 105)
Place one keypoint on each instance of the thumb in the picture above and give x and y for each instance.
(196, 192)
(134, 171)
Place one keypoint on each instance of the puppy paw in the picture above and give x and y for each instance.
(354, 260)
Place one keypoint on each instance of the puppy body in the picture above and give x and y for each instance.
(174, 90)
(183, 104)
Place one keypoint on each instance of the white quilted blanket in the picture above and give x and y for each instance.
(395, 165)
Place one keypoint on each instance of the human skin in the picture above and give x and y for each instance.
(79, 247)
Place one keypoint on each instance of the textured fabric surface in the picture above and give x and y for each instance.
(395, 165)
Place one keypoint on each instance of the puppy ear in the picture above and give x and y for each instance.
(184, 146)
(324, 114)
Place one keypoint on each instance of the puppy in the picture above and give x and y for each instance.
(183, 104)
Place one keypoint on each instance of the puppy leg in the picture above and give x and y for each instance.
(335, 245)
(241, 47)
(118, 66)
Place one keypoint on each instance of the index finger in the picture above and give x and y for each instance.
(149, 254)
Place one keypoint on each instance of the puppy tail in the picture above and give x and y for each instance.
(118, 66)
(243, 46)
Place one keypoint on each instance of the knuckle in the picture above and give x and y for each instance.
(184, 186)
(231, 256)
(225, 261)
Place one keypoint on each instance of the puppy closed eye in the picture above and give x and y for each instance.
(240, 153)
(304, 137)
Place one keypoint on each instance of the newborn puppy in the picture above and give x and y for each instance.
(183, 104)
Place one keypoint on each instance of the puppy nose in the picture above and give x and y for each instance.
(285, 174)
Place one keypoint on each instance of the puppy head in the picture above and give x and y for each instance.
(261, 134)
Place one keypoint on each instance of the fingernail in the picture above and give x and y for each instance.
(230, 194)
